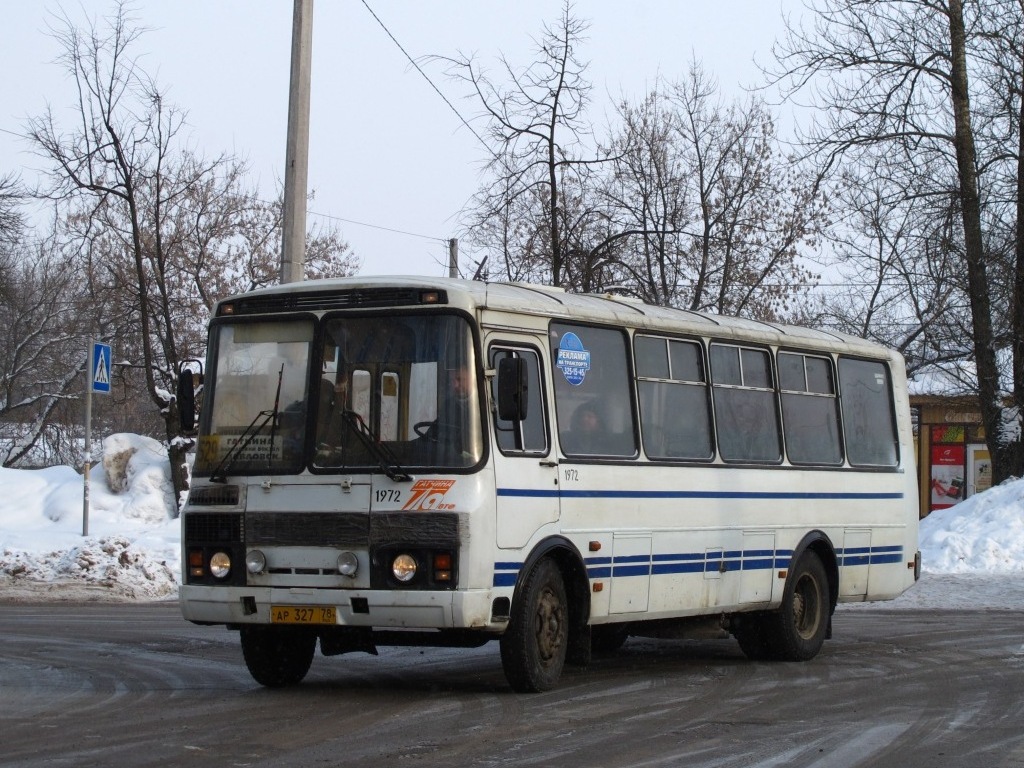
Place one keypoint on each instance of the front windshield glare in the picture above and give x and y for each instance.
(399, 389)
(257, 421)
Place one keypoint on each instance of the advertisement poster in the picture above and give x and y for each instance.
(947, 475)
(982, 469)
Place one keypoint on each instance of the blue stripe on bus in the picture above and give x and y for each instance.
(883, 555)
(506, 573)
(692, 556)
(537, 493)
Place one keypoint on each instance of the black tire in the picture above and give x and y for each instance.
(277, 657)
(606, 639)
(797, 630)
(533, 647)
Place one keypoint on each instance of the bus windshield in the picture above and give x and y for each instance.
(380, 393)
(256, 421)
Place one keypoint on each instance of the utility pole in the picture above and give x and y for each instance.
(296, 172)
(453, 257)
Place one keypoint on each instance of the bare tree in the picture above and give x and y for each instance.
(898, 261)
(648, 197)
(43, 322)
(535, 128)
(716, 212)
(41, 330)
(1000, 110)
(159, 224)
(894, 76)
(11, 197)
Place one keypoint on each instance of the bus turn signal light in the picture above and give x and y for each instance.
(442, 566)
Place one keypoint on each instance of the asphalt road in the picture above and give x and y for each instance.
(135, 685)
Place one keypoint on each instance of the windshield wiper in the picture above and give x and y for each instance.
(385, 458)
(219, 474)
(248, 435)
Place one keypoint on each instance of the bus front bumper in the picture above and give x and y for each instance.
(468, 609)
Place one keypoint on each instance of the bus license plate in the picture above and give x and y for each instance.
(303, 614)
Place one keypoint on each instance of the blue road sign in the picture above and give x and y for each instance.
(100, 368)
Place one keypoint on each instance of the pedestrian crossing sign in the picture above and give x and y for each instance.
(99, 369)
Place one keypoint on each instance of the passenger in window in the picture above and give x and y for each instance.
(333, 397)
(588, 434)
(460, 385)
(452, 428)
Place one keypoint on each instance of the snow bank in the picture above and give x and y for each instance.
(984, 534)
(132, 548)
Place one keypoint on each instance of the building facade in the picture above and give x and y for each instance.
(953, 459)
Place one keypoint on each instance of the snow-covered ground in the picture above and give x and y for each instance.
(973, 553)
(132, 549)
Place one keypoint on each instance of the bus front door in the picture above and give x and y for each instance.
(525, 471)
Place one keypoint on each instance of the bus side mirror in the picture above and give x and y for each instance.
(186, 394)
(512, 389)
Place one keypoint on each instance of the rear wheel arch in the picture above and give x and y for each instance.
(819, 543)
(796, 629)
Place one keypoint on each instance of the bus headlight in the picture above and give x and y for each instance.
(255, 562)
(403, 568)
(220, 565)
(348, 564)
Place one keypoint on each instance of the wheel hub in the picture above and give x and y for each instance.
(550, 626)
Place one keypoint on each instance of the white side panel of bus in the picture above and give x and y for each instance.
(758, 572)
(853, 574)
(631, 573)
(527, 498)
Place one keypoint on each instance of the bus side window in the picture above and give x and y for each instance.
(593, 387)
(674, 415)
(810, 412)
(529, 435)
(866, 396)
(745, 412)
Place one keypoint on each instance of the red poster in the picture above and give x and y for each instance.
(947, 475)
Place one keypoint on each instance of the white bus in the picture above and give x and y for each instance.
(413, 461)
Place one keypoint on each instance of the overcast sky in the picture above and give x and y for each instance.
(386, 152)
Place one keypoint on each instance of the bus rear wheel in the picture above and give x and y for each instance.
(533, 647)
(797, 630)
(277, 657)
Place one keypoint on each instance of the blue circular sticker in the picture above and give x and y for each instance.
(573, 359)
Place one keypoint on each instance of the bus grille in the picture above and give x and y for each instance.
(307, 529)
(348, 529)
(213, 528)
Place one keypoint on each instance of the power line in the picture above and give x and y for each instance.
(427, 78)
(378, 226)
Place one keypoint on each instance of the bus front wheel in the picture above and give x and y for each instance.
(277, 657)
(533, 647)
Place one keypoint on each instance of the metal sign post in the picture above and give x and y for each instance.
(97, 379)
